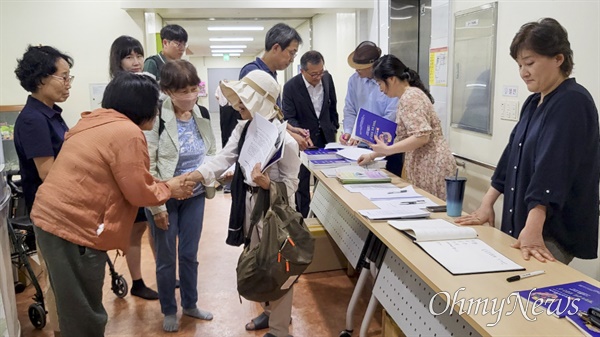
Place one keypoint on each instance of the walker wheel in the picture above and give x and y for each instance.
(119, 286)
(19, 287)
(37, 315)
(346, 333)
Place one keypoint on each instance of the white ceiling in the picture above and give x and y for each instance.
(195, 21)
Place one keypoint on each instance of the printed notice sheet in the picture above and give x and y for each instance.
(264, 144)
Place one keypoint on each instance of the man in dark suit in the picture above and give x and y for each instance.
(309, 102)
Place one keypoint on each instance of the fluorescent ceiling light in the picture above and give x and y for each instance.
(231, 39)
(221, 54)
(227, 51)
(214, 28)
(233, 46)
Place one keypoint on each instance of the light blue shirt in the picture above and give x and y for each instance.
(364, 93)
(191, 150)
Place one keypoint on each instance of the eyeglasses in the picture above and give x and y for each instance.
(316, 75)
(67, 79)
(291, 53)
(179, 45)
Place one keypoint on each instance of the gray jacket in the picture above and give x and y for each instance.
(164, 149)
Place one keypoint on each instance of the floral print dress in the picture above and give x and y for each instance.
(428, 166)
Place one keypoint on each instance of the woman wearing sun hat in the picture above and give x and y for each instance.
(256, 93)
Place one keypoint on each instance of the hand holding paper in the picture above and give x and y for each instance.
(259, 178)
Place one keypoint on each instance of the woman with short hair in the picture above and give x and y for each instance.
(550, 168)
(88, 201)
(127, 54)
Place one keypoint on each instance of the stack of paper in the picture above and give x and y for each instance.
(314, 154)
(402, 212)
(398, 193)
(320, 164)
(363, 176)
(264, 144)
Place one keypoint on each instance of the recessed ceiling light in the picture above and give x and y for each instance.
(235, 28)
(235, 54)
(231, 39)
(227, 51)
(217, 54)
(233, 46)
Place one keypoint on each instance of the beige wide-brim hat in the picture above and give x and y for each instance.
(364, 55)
(258, 91)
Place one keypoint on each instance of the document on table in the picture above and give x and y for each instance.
(335, 146)
(333, 171)
(383, 188)
(401, 212)
(353, 153)
(421, 202)
(264, 143)
(456, 248)
(406, 192)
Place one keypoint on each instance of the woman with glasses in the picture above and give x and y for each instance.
(179, 142)
(127, 54)
(40, 129)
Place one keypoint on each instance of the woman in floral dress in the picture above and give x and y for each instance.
(419, 134)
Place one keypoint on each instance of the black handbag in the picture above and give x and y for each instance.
(268, 270)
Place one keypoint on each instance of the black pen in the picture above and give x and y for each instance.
(396, 192)
(412, 202)
(526, 275)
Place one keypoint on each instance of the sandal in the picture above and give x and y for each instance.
(258, 323)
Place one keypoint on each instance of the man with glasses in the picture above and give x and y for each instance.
(310, 102)
(174, 42)
(363, 92)
(281, 45)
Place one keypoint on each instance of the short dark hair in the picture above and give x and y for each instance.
(134, 95)
(281, 34)
(121, 48)
(37, 63)
(312, 57)
(178, 74)
(174, 33)
(546, 37)
(389, 66)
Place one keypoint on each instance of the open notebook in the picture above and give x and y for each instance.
(456, 248)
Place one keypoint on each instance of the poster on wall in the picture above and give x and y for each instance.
(202, 92)
(438, 66)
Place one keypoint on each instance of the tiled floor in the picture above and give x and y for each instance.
(320, 299)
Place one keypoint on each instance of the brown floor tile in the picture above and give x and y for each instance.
(320, 299)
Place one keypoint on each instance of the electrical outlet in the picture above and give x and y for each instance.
(512, 110)
(503, 114)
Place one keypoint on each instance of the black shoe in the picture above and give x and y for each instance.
(144, 292)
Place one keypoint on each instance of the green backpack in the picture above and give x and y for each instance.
(268, 270)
